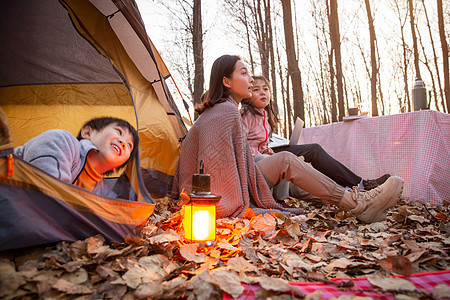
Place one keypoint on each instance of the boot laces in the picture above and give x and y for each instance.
(364, 195)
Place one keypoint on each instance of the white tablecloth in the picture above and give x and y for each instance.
(414, 146)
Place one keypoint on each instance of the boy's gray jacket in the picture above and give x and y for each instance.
(56, 152)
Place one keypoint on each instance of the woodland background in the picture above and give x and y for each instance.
(321, 56)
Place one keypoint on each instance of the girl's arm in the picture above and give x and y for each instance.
(246, 124)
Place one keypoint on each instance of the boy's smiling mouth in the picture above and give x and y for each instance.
(117, 149)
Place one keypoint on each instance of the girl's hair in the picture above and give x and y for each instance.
(247, 107)
(222, 67)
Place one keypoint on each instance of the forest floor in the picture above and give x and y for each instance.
(267, 250)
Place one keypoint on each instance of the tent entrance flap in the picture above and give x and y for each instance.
(65, 62)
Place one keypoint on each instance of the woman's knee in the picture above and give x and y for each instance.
(288, 158)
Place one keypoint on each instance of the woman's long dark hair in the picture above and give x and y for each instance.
(222, 67)
(272, 117)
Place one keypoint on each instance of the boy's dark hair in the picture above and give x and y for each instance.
(100, 123)
(272, 117)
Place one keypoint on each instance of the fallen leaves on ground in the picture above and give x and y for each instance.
(269, 250)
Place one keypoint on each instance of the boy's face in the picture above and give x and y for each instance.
(114, 144)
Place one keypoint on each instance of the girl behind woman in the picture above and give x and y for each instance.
(259, 119)
(217, 138)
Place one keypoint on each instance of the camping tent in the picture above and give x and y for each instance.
(63, 63)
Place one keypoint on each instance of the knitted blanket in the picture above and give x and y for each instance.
(218, 139)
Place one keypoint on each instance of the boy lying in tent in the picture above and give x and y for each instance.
(102, 145)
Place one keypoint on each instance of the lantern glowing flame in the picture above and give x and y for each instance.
(199, 221)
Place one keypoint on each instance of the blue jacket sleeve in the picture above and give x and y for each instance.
(55, 151)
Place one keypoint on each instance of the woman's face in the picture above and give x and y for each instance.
(260, 94)
(240, 82)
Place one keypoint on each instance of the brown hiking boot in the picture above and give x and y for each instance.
(371, 206)
(373, 183)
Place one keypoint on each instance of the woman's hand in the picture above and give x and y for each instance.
(268, 151)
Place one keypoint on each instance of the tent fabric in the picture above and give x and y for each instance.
(37, 208)
(63, 63)
(67, 53)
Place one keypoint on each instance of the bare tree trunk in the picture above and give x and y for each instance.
(427, 65)
(336, 45)
(380, 92)
(272, 58)
(414, 38)
(247, 33)
(197, 40)
(322, 90)
(293, 69)
(445, 54)
(334, 114)
(373, 60)
(405, 59)
(263, 36)
(438, 73)
(283, 93)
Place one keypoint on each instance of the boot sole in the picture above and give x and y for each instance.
(389, 204)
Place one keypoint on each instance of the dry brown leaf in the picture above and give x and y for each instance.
(293, 229)
(202, 289)
(10, 281)
(164, 238)
(227, 281)
(239, 264)
(392, 283)
(77, 277)
(412, 245)
(264, 224)
(415, 255)
(157, 265)
(398, 217)
(189, 252)
(93, 243)
(171, 289)
(419, 219)
(70, 288)
(341, 263)
(441, 291)
(277, 284)
(137, 275)
(397, 264)
(107, 290)
(227, 246)
(105, 272)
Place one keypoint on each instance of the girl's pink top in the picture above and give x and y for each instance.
(257, 129)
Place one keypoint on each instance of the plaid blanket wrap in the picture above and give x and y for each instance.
(218, 139)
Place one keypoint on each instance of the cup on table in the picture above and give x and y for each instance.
(353, 111)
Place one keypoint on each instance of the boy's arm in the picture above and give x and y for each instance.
(54, 151)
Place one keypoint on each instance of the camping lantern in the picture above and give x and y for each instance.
(199, 220)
